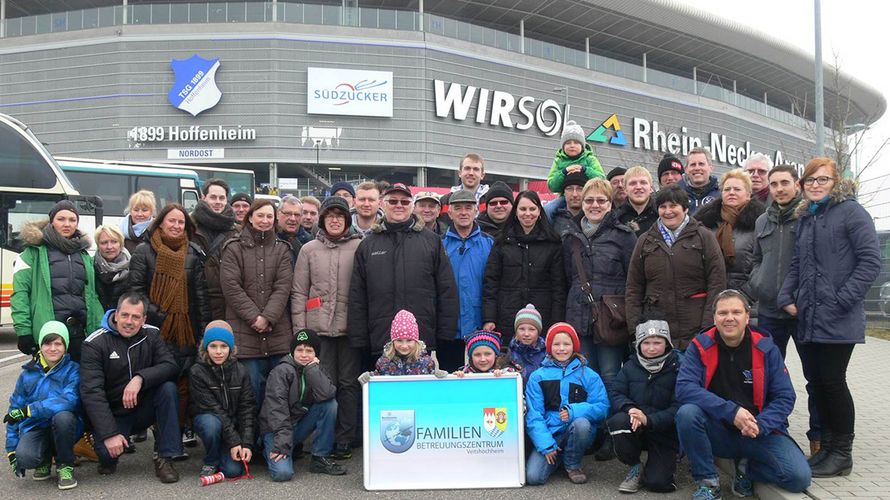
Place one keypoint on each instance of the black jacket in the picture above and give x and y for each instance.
(225, 391)
(108, 363)
(109, 290)
(489, 226)
(639, 223)
(652, 393)
(401, 269)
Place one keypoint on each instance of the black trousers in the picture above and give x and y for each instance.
(828, 365)
(343, 365)
(663, 446)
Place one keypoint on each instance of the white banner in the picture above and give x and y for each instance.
(196, 154)
(334, 91)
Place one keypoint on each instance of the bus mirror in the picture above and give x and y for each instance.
(89, 205)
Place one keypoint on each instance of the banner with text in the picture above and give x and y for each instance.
(350, 92)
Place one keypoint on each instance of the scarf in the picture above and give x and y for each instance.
(724, 232)
(671, 236)
(814, 205)
(784, 213)
(169, 288)
(120, 267)
(76, 243)
(589, 228)
(134, 231)
(654, 365)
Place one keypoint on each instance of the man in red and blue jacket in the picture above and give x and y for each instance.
(736, 396)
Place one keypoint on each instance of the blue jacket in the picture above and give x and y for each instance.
(550, 388)
(468, 258)
(529, 357)
(773, 393)
(45, 394)
(695, 202)
(836, 260)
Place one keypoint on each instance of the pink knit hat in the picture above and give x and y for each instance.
(404, 326)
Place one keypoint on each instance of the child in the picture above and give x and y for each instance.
(222, 404)
(483, 355)
(299, 400)
(527, 349)
(575, 155)
(562, 422)
(43, 421)
(645, 404)
(405, 354)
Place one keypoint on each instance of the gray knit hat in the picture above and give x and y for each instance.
(649, 329)
(573, 132)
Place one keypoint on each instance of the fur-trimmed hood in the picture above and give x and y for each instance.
(380, 226)
(843, 190)
(709, 215)
(32, 233)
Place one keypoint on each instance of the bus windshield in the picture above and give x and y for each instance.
(21, 166)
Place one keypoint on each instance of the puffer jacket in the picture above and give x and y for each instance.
(225, 391)
(212, 230)
(652, 393)
(320, 292)
(836, 260)
(679, 283)
(523, 269)
(290, 390)
(45, 394)
(257, 276)
(468, 258)
(528, 357)
(606, 260)
(552, 388)
(773, 249)
(743, 236)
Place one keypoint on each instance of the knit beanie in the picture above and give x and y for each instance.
(404, 326)
(669, 162)
(578, 178)
(220, 334)
(344, 186)
(566, 328)
(63, 205)
(481, 338)
(241, 197)
(615, 172)
(53, 327)
(528, 315)
(573, 132)
(499, 189)
(333, 203)
(308, 337)
(649, 329)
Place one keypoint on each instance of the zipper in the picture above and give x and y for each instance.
(129, 363)
(222, 383)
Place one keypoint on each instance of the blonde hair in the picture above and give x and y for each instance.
(737, 174)
(389, 351)
(142, 198)
(312, 201)
(110, 230)
(637, 171)
(597, 184)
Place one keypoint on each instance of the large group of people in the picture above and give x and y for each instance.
(638, 319)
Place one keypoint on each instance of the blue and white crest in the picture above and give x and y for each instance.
(195, 88)
(397, 430)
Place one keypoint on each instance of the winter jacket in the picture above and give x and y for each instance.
(225, 391)
(293, 243)
(651, 393)
(257, 276)
(290, 390)
(489, 226)
(424, 365)
(552, 388)
(773, 249)
(404, 268)
(696, 201)
(679, 283)
(468, 258)
(45, 394)
(32, 297)
(606, 260)
(523, 269)
(557, 175)
(108, 289)
(836, 260)
(131, 241)
(639, 223)
(320, 292)
(528, 357)
(67, 280)
(743, 236)
(773, 393)
(108, 363)
(212, 230)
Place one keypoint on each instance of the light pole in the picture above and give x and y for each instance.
(820, 100)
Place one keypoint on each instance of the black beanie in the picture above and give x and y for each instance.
(306, 336)
(241, 197)
(499, 189)
(669, 162)
(334, 203)
(578, 178)
(63, 205)
(615, 172)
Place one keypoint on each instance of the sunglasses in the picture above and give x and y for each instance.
(498, 203)
(394, 202)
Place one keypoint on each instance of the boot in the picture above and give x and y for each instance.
(825, 447)
(84, 449)
(839, 460)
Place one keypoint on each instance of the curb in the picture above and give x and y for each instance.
(764, 491)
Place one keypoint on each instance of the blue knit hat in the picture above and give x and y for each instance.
(344, 186)
(481, 338)
(219, 333)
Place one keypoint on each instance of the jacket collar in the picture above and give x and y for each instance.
(709, 215)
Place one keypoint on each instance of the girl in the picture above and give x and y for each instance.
(405, 354)
(483, 349)
(527, 349)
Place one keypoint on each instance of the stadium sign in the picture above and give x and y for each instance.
(349, 92)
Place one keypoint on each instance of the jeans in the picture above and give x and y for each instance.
(341, 363)
(605, 360)
(258, 369)
(774, 458)
(209, 428)
(828, 363)
(321, 419)
(572, 442)
(663, 447)
(159, 405)
(37, 446)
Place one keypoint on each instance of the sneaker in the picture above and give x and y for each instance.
(707, 491)
(631, 483)
(188, 438)
(342, 453)
(741, 483)
(165, 471)
(208, 470)
(577, 476)
(324, 465)
(42, 472)
(66, 477)
(140, 436)
(106, 470)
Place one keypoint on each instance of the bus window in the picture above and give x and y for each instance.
(189, 200)
(18, 209)
(115, 189)
(21, 165)
(166, 189)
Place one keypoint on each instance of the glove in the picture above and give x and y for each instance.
(27, 345)
(440, 373)
(364, 378)
(16, 415)
(14, 465)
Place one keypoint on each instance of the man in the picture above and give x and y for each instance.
(639, 212)
(758, 166)
(498, 205)
(616, 179)
(215, 223)
(400, 266)
(127, 377)
(344, 190)
(367, 206)
(736, 396)
(701, 187)
(572, 189)
(427, 207)
(240, 205)
(471, 171)
(290, 214)
(311, 209)
(670, 171)
(467, 248)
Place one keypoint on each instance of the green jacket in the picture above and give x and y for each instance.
(561, 162)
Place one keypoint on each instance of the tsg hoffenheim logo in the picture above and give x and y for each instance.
(397, 430)
(195, 88)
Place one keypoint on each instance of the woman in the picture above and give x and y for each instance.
(731, 217)
(140, 214)
(320, 301)
(112, 262)
(256, 274)
(53, 279)
(836, 260)
(676, 271)
(525, 266)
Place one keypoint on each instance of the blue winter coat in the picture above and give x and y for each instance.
(550, 388)
(529, 357)
(712, 193)
(468, 258)
(836, 260)
(45, 394)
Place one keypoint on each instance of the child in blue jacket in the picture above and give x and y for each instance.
(527, 349)
(566, 400)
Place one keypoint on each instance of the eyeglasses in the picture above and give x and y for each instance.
(394, 202)
(498, 203)
(288, 215)
(758, 171)
(821, 180)
(598, 201)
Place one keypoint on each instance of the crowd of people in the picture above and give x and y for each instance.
(640, 317)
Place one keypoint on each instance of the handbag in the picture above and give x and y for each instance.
(607, 312)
